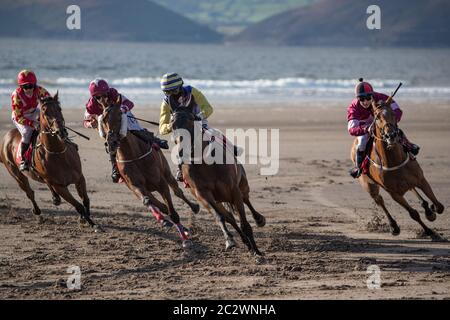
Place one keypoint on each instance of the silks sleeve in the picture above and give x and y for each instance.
(202, 102)
(164, 119)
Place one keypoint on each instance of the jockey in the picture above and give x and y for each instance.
(25, 111)
(176, 96)
(360, 117)
(103, 96)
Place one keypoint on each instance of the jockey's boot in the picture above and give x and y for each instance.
(179, 174)
(357, 171)
(161, 143)
(24, 165)
(115, 175)
(408, 145)
(148, 136)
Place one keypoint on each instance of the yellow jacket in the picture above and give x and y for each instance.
(200, 104)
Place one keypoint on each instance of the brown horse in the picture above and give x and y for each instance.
(144, 169)
(56, 162)
(215, 184)
(395, 170)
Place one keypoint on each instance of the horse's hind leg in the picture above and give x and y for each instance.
(22, 180)
(245, 190)
(229, 217)
(429, 214)
(245, 226)
(258, 217)
(415, 216)
(426, 188)
(220, 213)
(66, 195)
(374, 191)
(179, 193)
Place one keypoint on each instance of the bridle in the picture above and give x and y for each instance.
(384, 137)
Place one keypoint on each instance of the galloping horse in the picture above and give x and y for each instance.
(214, 184)
(144, 169)
(395, 170)
(55, 162)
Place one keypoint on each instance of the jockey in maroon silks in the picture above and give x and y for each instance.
(25, 111)
(360, 117)
(102, 96)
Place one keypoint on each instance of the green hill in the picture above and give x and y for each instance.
(230, 16)
(136, 20)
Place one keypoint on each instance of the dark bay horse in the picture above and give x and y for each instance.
(144, 169)
(56, 162)
(215, 184)
(396, 171)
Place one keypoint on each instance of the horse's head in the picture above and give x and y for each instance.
(385, 122)
(111, 127)
(184, 118)
(51, 118)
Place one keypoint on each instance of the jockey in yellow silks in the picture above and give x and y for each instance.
(176, 95)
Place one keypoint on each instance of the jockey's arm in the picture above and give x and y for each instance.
(205, 107)
(43, 93)
(16, 106)
(125, 104)
(90, 120)
(164, 119)
(398, 112)
(355, 128)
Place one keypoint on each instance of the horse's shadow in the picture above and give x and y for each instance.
(402, 255)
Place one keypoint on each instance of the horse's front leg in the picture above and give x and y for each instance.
(415, 216)
(374, 191)
(56, 199)
(66, 195)
(156, 207)
(426, 188)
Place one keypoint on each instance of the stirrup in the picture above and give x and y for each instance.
(355, 172)
(24, 166)
(179, 176)
(115, 176)
(162, 143)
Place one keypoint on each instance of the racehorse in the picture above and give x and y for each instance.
(395, 170)
(215, 184)
(144, 169)
(55, 161)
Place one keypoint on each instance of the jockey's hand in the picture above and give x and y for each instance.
(124, 109)
(94, 123)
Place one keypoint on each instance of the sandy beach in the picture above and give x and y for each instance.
(322, 231)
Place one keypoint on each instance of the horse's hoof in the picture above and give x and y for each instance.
(167, 224)
(430, 216)
(187, 244)
(82, 221)
(98, 229)
(261, 222)
(186, 231)
(36, 211)
(439, 209)
(40, 219)
(436, 237)
(229, 244)
(260, 259)
(395, 231)
(195, 208)
(56, 201)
